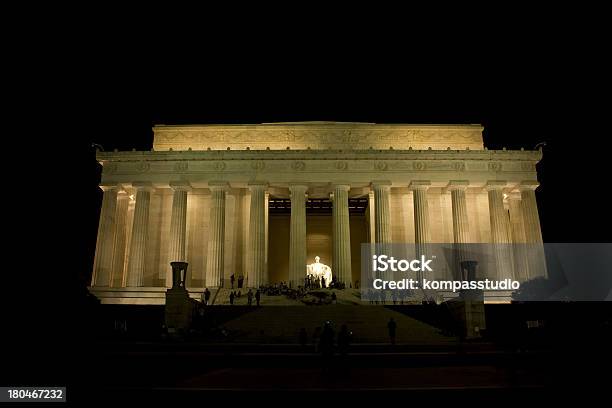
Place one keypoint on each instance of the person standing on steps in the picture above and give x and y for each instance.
(250, 297)
(257, 296)
(326, 344)
(232, 279)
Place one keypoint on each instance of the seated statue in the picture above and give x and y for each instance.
(317, 270)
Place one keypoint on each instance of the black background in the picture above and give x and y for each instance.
(524, 87)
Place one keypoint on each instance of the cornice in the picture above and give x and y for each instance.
(370, 154)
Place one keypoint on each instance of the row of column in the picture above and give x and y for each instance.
(109, 256)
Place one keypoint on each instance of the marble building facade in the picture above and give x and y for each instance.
(201, 195)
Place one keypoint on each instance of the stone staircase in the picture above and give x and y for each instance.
(367, 323)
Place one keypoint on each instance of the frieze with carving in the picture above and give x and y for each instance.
(317, 136)
(458, 166)
(181, 166)
(341, 165)
(258, 165)
(298, 165)
(495, 166)
(143, 166)
(419, 165)
(382, 166)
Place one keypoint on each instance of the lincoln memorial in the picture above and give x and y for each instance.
(262, 201)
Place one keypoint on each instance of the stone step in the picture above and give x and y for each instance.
(368, 324)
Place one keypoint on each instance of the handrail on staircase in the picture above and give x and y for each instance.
(217, 292)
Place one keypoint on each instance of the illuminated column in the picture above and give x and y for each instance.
(140, 228)
(297, 244)
(257, 236)
(517, 233)
(461, 226)
(123, 200)
(371, 218)
(421, 211)
(216, 234)
(517, 227)
(533, 233)
(421, 218)
(500, 229)
(102, 273)
(342, 235)
(178, 225)
(500, 224)
(267, 227)
(382, 211)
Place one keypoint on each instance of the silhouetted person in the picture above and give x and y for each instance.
(240, 281)
(206, 296)
(257, 296)
(326, 345)
(232, 279)
(250, 297)
(232, 297)
(303, 338)
(392, 326)
(334, 298)
(344, 340)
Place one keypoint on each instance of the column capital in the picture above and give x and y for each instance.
(380, 184)
(458, 185)
(256, 185)
(110, 187)
(528, 185)
(143, 186)
(419, 185)
(495, 185)
(180, 185)
(342, 186)
(218, 185)
(514, 196)
(298, 187)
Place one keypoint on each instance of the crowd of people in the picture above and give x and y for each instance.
(276, 289)
(238, 294)
(319, 282)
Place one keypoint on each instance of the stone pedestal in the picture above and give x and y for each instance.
(469, 315)
(468, 309)
(179, 309)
